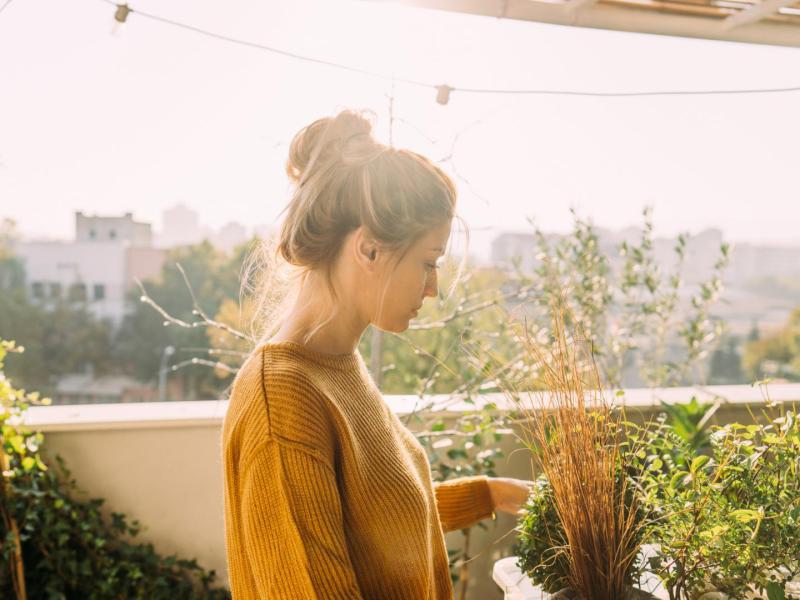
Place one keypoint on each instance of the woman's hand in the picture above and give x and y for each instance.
(509, 495)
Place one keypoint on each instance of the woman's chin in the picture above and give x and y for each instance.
(398, 326)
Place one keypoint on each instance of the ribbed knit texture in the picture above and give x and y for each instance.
(327, 494)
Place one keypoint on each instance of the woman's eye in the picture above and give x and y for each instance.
(432, 266)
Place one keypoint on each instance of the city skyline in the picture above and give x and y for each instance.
(110, 252)
(229, 234)
(205, 230)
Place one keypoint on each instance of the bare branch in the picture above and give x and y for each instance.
(204, 362)
(459, 312)
(196, 310)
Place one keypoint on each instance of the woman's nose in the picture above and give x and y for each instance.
(431, 286)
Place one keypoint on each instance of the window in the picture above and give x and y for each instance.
(99, 291)
(55, 290)
(92, 234)
(77, 292)
(37, 289)
(112, 234)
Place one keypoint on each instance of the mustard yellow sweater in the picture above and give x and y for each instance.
(327, 494)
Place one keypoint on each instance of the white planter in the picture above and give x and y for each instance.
(515, 585)
(518, 586)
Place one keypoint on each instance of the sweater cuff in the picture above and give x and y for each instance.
(463, 501)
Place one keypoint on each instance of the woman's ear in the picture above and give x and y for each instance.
(365, 248)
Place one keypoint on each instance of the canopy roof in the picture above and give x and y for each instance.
(774, 22)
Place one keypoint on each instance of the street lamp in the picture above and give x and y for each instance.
(162, 372)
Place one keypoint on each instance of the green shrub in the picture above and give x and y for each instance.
(732, 519)
(540, 539)
(729, 519)
(67, 549)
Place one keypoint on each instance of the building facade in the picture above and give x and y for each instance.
(98, 268)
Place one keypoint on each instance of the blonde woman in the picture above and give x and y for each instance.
(327, 494)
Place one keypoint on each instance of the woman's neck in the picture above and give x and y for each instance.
(339, 335)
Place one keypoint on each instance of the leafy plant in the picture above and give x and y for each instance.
(58, 546)
(692, 421)
(627, 305)
(727, 521)
(732, 519)
(541, 540)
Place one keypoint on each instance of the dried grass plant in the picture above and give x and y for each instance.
(575, 436)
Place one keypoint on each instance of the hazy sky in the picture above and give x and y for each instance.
(156, 115)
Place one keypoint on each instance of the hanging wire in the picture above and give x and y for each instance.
(7, 2)
(443, 91)
(263, 47)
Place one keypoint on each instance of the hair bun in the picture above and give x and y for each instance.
(324, 139)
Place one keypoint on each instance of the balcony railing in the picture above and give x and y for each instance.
(160, 463)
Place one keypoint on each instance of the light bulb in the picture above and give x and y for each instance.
(120, 18)
(443, 93)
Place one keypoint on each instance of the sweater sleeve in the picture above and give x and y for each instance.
(292, 526)
(463, 501)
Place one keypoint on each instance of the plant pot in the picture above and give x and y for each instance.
(518, 586)
(630, 594)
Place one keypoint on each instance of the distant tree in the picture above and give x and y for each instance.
(8, 235)
(777, 354)
(12, 273)
(213, 276)
(754, 334)
(59, 339)
(726, 362)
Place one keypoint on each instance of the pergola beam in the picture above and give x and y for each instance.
(573, 6)
(754, 13)
(639, 17)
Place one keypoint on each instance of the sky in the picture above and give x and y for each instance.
(151, 116)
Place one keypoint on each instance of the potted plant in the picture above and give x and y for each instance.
(721, 521)
(586, 520)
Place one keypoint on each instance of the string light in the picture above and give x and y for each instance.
(443, 94)
(442, 91)
(121, 14)
(120, 17)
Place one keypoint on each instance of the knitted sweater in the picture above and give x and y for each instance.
(327, 494)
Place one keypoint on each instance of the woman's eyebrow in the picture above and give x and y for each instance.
(437, 249)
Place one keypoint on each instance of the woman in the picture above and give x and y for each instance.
(327, 494)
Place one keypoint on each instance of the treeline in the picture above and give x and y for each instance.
(66, 337)
(457, 347)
